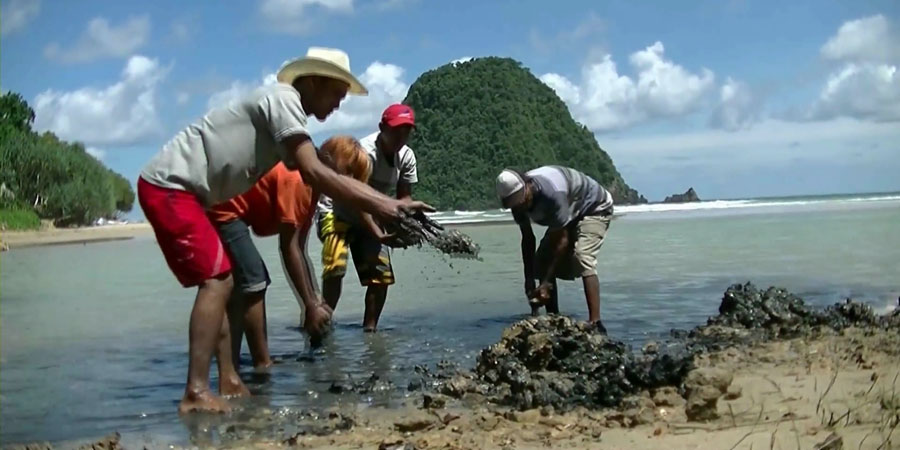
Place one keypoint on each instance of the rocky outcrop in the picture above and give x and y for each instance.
(557, 362)
(779, 313)
(553, 361)
(689, 196)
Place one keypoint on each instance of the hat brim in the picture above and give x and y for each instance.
(399, 121)
(319, 67)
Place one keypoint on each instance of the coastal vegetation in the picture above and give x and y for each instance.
(44, 177)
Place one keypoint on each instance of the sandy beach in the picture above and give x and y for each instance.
(81, 235)
(837, 390)
(796, 394)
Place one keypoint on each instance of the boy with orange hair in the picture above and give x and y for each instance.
(279, 203)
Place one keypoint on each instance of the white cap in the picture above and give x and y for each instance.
(508, 183)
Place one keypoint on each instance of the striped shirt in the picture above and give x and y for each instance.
(563, 195)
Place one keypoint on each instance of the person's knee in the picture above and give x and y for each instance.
(222, 284)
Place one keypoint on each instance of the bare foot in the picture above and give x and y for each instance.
(263, 366)
(232, 387)
(202, 401)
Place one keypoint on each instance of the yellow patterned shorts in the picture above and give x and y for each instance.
(371, 259)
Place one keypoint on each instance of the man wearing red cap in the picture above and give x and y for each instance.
(393, 169)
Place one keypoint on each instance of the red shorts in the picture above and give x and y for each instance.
(188, 240)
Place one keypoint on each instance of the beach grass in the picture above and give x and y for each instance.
(19, 219)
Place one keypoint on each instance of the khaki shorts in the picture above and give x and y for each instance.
(581, 260)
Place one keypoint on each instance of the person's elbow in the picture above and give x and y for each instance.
(563, 242)
(528, 238)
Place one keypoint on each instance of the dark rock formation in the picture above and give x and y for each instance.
(689, 196)
(553, 361)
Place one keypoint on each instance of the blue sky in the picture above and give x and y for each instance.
(736, 98)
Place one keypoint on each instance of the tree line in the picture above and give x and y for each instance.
(48, 178)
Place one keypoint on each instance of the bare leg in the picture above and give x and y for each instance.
(230, 384)
(255, 325)
(553, 303)
(592, 295)
(376, 294)
(207, 317)
(331, 290)
(235, 313)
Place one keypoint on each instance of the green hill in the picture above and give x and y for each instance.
(475, 118)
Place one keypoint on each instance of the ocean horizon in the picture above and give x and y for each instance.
(503, 215)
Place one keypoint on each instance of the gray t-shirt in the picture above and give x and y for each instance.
(223, 154)
(384, 177)
(563, 195)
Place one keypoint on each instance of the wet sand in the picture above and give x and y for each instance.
(81, 235)
(797, 393)
(790, 394)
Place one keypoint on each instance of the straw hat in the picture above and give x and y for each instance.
(325, 62)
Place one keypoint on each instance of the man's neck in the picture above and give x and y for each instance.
(380, 147)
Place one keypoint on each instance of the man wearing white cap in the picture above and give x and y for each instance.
(576, 211)
(223, 155)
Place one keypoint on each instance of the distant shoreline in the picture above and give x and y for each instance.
(104, 233)
(12, 240)
(67, 236)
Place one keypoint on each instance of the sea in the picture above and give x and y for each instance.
(94, 338)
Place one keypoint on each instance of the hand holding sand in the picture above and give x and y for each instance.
(318, 321)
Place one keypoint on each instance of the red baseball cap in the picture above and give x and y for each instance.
(398, 114)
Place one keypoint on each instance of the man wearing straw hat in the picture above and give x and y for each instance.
(223, 155)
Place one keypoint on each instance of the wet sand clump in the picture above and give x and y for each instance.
(784, 314)
(416, 230)
(554, 361)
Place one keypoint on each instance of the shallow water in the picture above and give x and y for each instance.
(93, 338)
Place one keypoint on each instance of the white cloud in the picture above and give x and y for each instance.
(123, 113)
(867, 83)
(866, 91)
(236, 90)
(464, 59)
(738, 108)
(764, 142)
(385, 82)
(868, 39)
(606, 100)
(293, 16)
(102, 40)
(98, 153)
(774, 157)
(15, 15)
(564, 88)
(386, 85)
